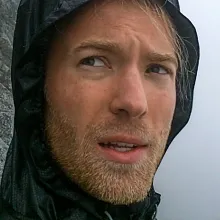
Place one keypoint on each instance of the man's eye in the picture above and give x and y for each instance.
(93, 61)
(156, 68)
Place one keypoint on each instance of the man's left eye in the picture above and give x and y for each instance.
(156, 68)
(93, 61)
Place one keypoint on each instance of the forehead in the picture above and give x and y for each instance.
(117, 21)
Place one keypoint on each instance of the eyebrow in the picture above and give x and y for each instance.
(157, 57)
(111, 47)
(100, 45)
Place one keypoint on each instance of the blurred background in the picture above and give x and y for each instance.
(189, 176)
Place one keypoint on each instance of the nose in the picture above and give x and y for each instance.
(130, 96)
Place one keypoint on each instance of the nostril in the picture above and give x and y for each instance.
(129, 107)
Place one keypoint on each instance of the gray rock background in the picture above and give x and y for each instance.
(7, 22)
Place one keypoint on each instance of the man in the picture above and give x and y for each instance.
(101, 88)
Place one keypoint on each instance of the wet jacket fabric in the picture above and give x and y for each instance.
(33, 187)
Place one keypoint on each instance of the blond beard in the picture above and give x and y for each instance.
(105, 180)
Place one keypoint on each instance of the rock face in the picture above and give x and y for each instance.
(7, 22)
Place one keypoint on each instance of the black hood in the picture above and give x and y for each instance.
(32, 186)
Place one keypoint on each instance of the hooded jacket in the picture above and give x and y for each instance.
(33, 187)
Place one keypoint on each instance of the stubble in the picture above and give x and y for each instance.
(79, 158)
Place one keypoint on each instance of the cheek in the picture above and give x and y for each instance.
(79, 99)
(161, 108)
(81, 102)
(63, 97)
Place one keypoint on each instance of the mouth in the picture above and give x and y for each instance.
(128, 151)
(119, 146)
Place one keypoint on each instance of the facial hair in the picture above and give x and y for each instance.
(108, 181)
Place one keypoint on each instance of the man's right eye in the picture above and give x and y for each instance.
(93, 61)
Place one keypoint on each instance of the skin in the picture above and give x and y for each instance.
(125, 89)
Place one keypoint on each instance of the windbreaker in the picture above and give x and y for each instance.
(32, 187)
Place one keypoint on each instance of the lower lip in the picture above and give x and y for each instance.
(129, 157)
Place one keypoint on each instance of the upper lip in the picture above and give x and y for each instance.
(124, 139)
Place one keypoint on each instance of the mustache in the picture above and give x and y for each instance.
(136, 128)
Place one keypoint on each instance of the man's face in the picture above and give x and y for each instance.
(110, 92)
